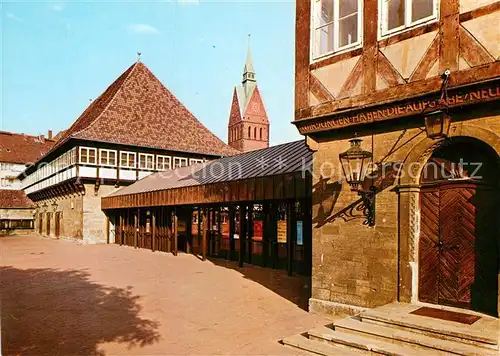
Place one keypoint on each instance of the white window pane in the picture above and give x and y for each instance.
(348, 30)
(347, 7)
(395, 13)
(421, 9)
(325, 12)
(324, 38)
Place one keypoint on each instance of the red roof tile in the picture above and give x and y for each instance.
(138, 110)
(21, 148)
(14, 199)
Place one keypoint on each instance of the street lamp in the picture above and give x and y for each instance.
(355, 162)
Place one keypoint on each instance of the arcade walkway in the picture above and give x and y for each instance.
(62, 298)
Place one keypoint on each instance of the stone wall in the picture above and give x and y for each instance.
(70, 208)
(356, 266)
(81, 217)
(94, 219)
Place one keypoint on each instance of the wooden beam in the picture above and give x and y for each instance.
(302, 50)
(427, 61)
(265, 234)
(204, 235)
(176, 233)
(291, 235)
(368, 69)
(243, 234)
(169, 225)
(121, 229)
(230, 254)
(319, 90)
(189, 232)
(136, 228)
(274, 234)
(449, 31)
(472, 51)
(250, 233)
(107, 228)
(153, 233)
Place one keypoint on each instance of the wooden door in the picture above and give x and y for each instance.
(40, 223)
(458, 247)
(456, 244)
(57, 222)
(429, 245)
(48, 224)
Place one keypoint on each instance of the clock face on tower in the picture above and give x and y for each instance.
(255, 107)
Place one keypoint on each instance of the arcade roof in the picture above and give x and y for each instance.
(290, 157)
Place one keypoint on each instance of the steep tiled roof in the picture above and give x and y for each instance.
(286, 158)
(21, 148)
(138, 110)
(14, 199)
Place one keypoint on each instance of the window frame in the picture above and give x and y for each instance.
(128, 153)
(180, 159)
(103, 150)
(88, 149)
(335, 22)
(383, 16)
(195, 161)
(163, 157)
(146, 156)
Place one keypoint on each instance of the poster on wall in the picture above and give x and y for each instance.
(257, 230)
(300, 231)
(282, 231)
(181, 225)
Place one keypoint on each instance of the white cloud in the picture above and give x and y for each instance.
(189, 2)
(11, 16)
(57, 7)
(143, 29)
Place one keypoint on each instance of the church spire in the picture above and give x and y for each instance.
(248, 71)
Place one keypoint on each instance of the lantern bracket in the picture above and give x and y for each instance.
(354, 163)
(368, 205)
(436, 116)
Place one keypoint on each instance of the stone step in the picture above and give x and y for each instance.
(441, 329)
(386, 333)
(368, 344)
(316, 347)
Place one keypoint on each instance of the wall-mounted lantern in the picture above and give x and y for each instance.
(54, 206)
(438, 121)
(355, 163)
(437, 124)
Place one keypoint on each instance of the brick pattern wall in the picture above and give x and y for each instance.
(354, 264)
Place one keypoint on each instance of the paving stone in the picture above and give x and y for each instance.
(61, 298)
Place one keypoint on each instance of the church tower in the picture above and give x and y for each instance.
(248, 127)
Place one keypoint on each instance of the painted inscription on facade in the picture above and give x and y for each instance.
(397, 110)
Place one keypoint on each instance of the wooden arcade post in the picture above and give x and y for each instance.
(176, 232)
(204, 235)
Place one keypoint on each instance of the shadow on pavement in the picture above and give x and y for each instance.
(62, 312)
(296, 289)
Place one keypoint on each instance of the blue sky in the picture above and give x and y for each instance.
(58, 55)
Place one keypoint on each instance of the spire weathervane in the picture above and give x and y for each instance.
(248, 71)
(139, 56)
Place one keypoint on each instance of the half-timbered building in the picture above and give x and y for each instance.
(16, 152)
(135, 128)
(411, 89)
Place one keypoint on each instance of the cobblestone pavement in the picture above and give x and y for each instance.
(60, 298)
